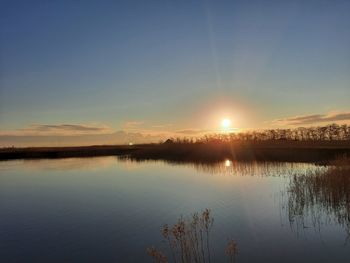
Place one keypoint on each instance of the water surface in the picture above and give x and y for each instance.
(109, 210)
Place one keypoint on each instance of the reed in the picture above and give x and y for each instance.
(320, 194)
(189, 241)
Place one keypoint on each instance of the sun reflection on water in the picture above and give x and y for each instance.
(228, 163)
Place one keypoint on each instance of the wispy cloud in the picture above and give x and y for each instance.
(162, 126)
(58, 129)
(72, 135)
(143, 125)
(65, 127)
(315, 119)
(132, 125)
(191, 131)
(87, 134)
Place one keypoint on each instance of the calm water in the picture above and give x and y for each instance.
(109, 210)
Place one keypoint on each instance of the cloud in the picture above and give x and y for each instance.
(65, 127)
(118, 137)
(83, 134)
(142, 126)
(132, 125)
(315, 119)
(59, 130)
(191, 131)
(162, 126)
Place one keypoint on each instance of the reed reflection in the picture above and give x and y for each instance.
(320, 197)
(311, 196)
(260, 169)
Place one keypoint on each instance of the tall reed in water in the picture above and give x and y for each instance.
(323, 193)
(189, 241)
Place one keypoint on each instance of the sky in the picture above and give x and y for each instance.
(146, 68)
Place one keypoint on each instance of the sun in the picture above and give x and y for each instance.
(226, 123)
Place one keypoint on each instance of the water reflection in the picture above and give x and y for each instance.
(108, 203)
(259, 169)
(72, 164)
(64, 164)
(312, 196)
(320, 198)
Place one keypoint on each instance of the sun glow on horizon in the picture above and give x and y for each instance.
(226, 123)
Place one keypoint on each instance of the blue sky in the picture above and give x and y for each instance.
(171, 64)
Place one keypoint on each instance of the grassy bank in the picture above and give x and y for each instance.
(312, 195)
(64, 152)
(299, 151)
(291, 151)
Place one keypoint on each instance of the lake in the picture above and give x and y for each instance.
(105, 209)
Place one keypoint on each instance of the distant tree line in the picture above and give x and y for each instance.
(332, 132)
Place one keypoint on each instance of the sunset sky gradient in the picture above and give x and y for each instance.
(160, 67)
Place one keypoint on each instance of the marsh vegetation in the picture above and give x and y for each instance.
(321, 197)
(314, 198)
(188, 241)
(314, 144)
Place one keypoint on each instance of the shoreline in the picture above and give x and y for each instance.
(291, 151)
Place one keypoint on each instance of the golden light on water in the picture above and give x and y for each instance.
(228, 163)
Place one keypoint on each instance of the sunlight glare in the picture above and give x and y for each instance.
(226, 123)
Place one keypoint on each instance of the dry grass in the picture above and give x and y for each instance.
(283, 151)
(321, 193)
(64, 152)
(268, 150)
(189, 241)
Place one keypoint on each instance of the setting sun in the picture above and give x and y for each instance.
(226, 123)
(112, 111)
